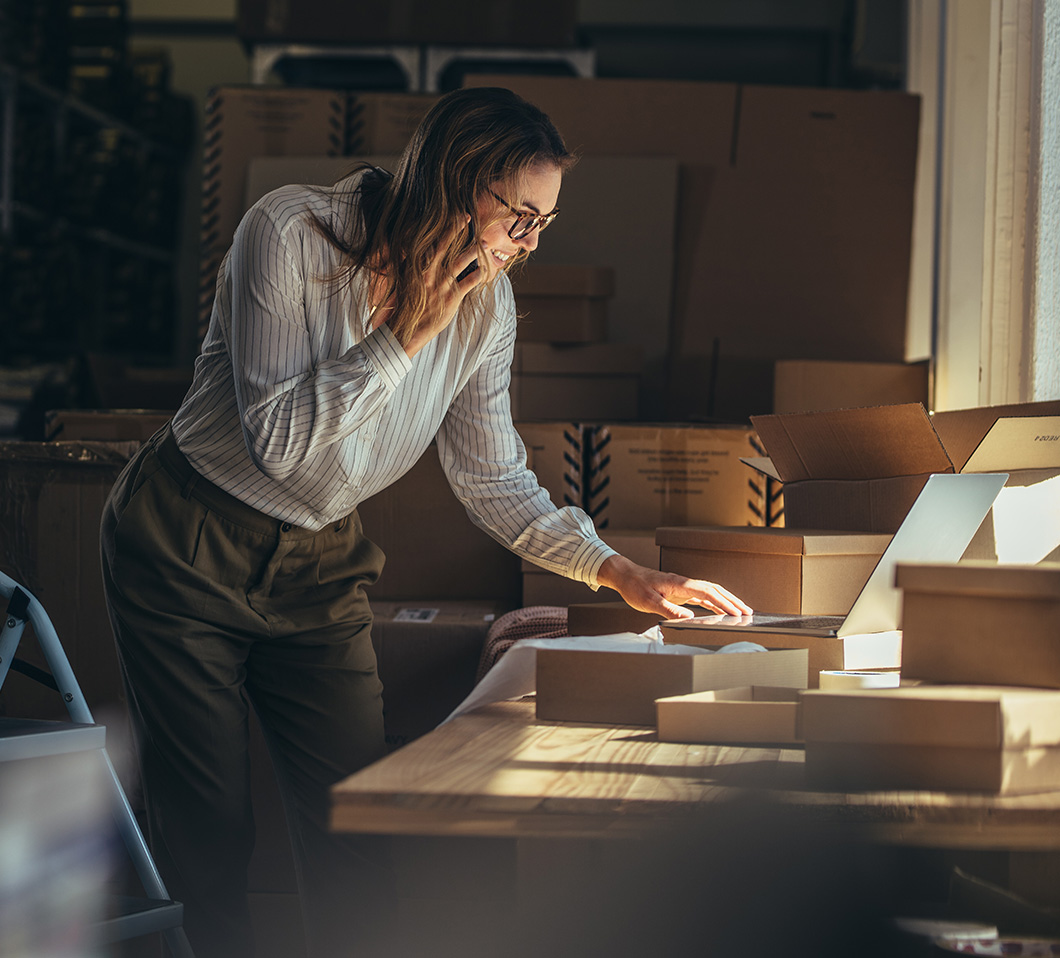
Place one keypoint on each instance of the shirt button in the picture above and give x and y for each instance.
(286, 527)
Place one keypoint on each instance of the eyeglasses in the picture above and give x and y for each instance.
(525, 221)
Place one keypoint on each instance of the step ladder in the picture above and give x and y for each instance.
(31, 738)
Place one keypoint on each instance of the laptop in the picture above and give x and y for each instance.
(938, 528)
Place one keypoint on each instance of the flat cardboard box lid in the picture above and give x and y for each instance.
(872, 442)
(959, 716)
(563, 279)
(982, 579)
(772, 541)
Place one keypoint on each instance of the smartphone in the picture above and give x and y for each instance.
(467, 270)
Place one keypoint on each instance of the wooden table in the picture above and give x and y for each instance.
(497, 772)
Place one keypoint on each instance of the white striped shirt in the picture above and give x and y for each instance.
(297, 412)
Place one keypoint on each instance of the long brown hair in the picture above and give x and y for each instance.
(470, 140)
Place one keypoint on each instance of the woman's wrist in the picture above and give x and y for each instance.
(614, 570)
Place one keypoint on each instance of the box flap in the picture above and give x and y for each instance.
(872, 442)
(762, 464)
(961, 430)
(960, 716)
(1031, 442)
(773, 541)
(981, 578)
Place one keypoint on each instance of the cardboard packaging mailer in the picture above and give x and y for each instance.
(755, 713)
(959, 737)
(620, 688)
(978, 622)
(862, 469)
(775, 570)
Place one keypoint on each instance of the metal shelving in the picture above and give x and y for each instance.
(82, 187)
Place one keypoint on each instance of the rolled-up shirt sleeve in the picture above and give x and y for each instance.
(292, 406)
(485, 461)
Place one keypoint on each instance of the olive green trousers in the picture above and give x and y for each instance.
(217, 609)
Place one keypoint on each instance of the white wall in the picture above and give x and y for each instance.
(1046, 362)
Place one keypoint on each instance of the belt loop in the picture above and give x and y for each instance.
(189, 484)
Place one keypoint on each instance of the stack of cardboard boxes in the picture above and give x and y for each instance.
(564, 368)
(979, 708)
(979, 665)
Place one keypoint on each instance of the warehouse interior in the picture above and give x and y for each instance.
(808, 256)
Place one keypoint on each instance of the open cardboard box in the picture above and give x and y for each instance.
(980, 738)
(861, 469)
(754, 713)
(620, 688)
(776, 569)
(980, 622)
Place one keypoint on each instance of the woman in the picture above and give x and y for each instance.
(352, 326)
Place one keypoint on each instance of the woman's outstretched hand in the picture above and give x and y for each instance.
(666, 593)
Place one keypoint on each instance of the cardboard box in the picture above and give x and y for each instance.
(560, 319)
(541, 587)
(249, 121)
(620, 688)
(593, 229)
(564, 280)
(268, 173)
(808, 385)
(428, 653)
(862, 469)
(575, 381)
(51, 501)
(815, 208)
(642, 476)
(120, 387)
(976, 622)
(749, 714)
(433, 550)
(555, 452)
(546, 588)
(580, 397)
(776, 570)
(562, 303)
(108, 425)
(505, 22)
(608, 618)
(792, 203)
(978, 738)
(878, 650)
